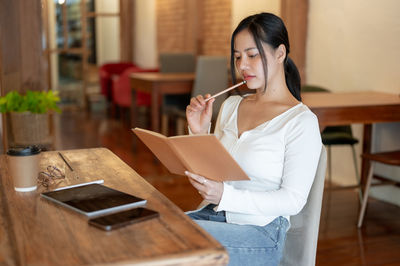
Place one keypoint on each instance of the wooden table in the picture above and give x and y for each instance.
(366, 107)
(158, 84)
(35, 231)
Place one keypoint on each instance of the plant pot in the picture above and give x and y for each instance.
(28, 128)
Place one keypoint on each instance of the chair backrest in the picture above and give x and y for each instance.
(177, 63)
(313, 88)
(211, 77)
(302, 237)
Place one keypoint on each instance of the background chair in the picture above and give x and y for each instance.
(211, 77)
(336, 135)
(177, 63)
(107, 71)
(302, 237)
(122, 92)
(390, 158)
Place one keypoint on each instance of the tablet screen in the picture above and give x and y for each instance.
(94, 199)
(117, 220)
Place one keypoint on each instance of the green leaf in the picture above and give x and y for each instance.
(33, 101)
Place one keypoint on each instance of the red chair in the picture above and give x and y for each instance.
(122, 92)
(107, 71)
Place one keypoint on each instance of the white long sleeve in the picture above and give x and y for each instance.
(280, 156)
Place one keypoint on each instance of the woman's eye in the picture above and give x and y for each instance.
(237, 57)
(252, 55)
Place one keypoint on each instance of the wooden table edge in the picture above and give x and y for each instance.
(216, 256)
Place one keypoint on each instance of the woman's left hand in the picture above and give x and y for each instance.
(210, 190)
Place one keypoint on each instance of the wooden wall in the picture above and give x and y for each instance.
(126, 29)
(21, 58)
(294, 14)
(21, 63)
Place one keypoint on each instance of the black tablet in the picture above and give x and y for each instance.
(94, 200)
(120, 219)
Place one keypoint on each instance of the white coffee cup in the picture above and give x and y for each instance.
(23, 164)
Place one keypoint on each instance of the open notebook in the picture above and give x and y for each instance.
(93, 200)
(200, 154)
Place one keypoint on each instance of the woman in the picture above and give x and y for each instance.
(273, 137)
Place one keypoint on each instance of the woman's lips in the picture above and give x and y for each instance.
(247, 78)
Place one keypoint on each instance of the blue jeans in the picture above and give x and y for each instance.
(246, 244)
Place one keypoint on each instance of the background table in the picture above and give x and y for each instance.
(35, 231)
(366, 107)
(158, 84)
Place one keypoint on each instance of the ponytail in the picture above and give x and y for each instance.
(292, 78)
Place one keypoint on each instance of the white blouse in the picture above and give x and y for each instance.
(280, 156)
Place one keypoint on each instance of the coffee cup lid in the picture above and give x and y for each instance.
(26, 151)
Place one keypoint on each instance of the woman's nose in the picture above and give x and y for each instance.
(243, 64)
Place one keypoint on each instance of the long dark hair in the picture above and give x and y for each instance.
(270, 29)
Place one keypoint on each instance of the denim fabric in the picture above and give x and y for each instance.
(246, 244)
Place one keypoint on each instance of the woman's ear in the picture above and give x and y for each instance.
(281, 53)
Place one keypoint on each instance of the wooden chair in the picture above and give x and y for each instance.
(301, 239)
(389, 158)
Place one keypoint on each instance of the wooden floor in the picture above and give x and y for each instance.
(340, 242)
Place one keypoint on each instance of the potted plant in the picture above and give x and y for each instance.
(29, 115)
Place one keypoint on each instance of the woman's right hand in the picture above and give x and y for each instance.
(199, 113)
